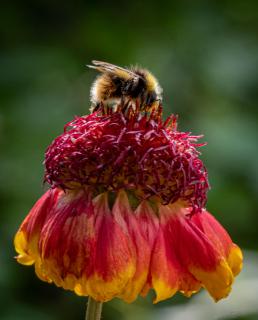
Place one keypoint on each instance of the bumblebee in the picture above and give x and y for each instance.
(116, 84)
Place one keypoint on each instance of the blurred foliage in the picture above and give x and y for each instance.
(205, 54)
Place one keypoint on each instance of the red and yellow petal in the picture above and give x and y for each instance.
(220, 239)
(167, 273)
(192, 256)
(141, 227)
(164, 271)
(67, 239)
(27, 237)
(114, 263)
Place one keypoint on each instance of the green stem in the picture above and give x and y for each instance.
(93, 310)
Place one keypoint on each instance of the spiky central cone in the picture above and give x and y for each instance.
(133, 151)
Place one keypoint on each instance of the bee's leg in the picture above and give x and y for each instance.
(95, 108)
(137, 104)
(122, 101)
(125, 106)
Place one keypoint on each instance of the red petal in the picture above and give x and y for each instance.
(220, 239)
(189, 257)
(114, 262)
(140, 226)
(169, 273)
(26, 239)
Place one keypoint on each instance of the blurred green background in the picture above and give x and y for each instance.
(205, 55)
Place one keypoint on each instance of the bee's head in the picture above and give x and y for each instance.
(152, 97)
(153, 89)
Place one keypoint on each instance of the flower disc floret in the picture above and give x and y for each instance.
(136, 152)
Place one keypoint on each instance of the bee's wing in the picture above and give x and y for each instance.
(113, 69)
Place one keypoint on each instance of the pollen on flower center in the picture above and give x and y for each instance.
(133, 151)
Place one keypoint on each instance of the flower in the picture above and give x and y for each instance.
(126, 212)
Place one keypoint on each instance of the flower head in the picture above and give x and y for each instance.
(126, 212)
